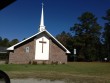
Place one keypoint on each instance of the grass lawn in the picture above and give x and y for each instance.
(78, 72)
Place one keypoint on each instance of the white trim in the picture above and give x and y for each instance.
(67, 51)
(12, 47)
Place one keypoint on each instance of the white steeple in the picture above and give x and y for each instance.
(42, 27)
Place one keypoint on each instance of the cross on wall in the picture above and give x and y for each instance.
(43, 42)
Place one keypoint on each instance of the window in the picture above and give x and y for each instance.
(27, 49)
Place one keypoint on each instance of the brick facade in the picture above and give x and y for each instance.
(57, 54)
(21, 56)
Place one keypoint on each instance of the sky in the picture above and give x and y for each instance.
(21, 19)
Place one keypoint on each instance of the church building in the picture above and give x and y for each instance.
(40, 48)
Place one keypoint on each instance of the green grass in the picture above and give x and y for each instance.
(79, 72)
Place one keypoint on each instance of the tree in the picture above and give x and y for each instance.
(106, 33)
(0, 39)
(87, 36)
(4, 42)
(67, 40)
(14, 41)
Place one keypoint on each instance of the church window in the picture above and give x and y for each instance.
(27, 49)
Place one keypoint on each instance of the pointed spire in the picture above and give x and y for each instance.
(42, 27)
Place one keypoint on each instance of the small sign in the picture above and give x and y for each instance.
(74, 51)
(105, 59)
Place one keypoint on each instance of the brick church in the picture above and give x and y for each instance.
(41, 47)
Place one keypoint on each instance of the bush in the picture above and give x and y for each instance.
(54, 62)
(34, 62)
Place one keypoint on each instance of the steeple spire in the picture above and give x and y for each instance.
(42, 27)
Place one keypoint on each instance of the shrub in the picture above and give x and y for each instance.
(34, 63)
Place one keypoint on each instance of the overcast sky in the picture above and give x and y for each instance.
(22, 18)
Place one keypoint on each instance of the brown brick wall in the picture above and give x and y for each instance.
(57, 54)
(20, 56)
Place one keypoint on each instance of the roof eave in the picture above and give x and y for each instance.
(67, 51)
(10, 48)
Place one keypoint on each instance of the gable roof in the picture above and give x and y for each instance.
(54, 39)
